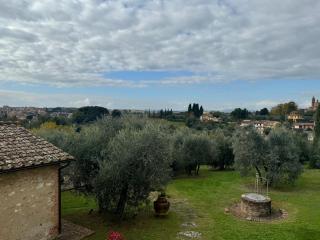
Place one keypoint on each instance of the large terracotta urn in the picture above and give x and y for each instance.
(161, 205)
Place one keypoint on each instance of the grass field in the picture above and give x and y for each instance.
(202, 200)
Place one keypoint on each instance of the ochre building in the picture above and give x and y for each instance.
(29, 185)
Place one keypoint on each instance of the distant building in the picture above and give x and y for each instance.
(314, 104)
(21, 113)
(295, 116)
(29, 185)
(261, 125)
(207, 117)
(307, 128)
(245, 123)
(304, 126)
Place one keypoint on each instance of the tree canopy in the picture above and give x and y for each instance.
(239, 113)
(275, 157)
(195, 110)
(136, 162)
(284, 108)
(89, 114)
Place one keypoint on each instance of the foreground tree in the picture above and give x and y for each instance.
(315, 156)
(317, 125)
(276, 158)
(283, 164)
(136, 162)
(224, 153)
(196, 150)
(315, 152)
(177, 155)
(250, 151)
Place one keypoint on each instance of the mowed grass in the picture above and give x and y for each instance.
(207, 196)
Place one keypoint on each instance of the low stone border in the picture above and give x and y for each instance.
(276, 214)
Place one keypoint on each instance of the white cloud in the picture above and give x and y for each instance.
(72, 43)
(80, 103)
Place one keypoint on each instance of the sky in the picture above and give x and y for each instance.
(139, 54)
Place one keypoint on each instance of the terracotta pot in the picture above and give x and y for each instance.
(161, 205)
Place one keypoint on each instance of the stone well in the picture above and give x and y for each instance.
(255, 205)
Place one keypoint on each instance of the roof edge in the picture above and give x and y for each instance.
(66, 161)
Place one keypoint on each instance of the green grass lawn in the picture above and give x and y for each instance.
(202, 200)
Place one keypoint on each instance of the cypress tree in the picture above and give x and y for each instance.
(161, 113)
(201, 111)
(189, 108)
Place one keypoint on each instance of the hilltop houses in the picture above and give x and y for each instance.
(208, 117)
(29, 185)
(261, 125)
(295, 116)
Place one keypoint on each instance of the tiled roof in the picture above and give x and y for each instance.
(19, 148)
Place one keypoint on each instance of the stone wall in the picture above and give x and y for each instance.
(255, 209)
(29, 204)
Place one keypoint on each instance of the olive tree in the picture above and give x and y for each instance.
(275, 157)
(177, 154)
(315, 156)
(250, 151)
(315, 152)
(135, 163)
(197, 149)
(283, 164)
(224, 153)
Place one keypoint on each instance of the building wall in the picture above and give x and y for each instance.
(29, 204)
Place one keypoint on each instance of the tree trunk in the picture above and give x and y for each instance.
(122, 201)
(198, 168)
(221, 166)
(259, 173)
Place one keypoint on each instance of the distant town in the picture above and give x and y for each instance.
(196, 116)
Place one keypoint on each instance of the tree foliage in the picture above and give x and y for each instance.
(197, 149)
(195, 110)
(315, 152)
(136, 162)
(275, 157)
(263, 112)
(224, 153)
(284, 108)
(89, 114)
(317, 124)
(239, 113)
(283, 161)
(116, 113)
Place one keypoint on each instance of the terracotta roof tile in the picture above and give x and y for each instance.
(20, 148)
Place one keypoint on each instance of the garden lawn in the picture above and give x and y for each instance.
(205, 198)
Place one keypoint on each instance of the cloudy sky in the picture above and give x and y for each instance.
(159, 53)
